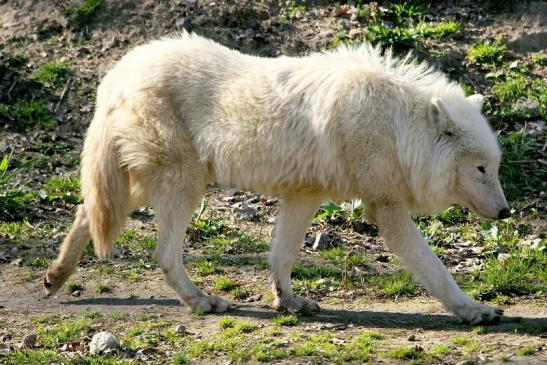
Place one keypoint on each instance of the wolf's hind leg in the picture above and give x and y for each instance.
(295, 214)
(174, 200)
(404, 239)
(71, 249)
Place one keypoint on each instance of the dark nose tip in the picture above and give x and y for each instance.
(504, 213)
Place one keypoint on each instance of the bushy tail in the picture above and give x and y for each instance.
(105, 186)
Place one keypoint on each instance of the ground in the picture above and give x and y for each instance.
(52, 57)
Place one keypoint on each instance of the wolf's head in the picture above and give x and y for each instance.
(466, 143)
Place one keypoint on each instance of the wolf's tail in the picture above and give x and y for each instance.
(105, 186)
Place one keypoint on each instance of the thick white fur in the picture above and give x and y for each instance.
(177, 113)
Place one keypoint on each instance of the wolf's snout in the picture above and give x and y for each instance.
(504, 213)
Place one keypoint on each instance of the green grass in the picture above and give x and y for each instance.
(53, 72)
(527, 351)
(137, 243)
(224, 283)
(441, 30)
(32, 113)
(441, 350)
(468, 344)
(239, 293)
(524, 271)
(181, 358)
(406, 353)
(103, 288)
(285, 320)
(85, 12)
(235, 243)
(395, 285)
(487, 53)
(63, 188)
(62, 332)
(314, 272)
(72, 286)
(539, 58)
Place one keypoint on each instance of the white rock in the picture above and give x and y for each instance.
(103, 341)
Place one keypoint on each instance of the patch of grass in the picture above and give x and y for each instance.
(285, 320)
(138, 243)
(103, 288)
(294, 7)
(441, 350)
(205, 266)
(92, 315)
(116, 315)
(30, 356)
(224, 283)
(32, 112)
(441, 30)
(517, 178)
(235, 243)
(12, 198)
(45, 319)
(527, 351)
(239, 293)
(539, 58)
(314, 271)
(84, 13)
(64, 188)
(487, 53)
(400, 38)
(469, 344)
(227, 322)
(181, 358)
(62, 332)
(53, 72)
(406, 353)
(72, 286)
(395, 285)
(205, 228)
(523, 272)
(512, 87)
(38, 262)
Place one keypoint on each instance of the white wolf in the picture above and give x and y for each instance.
(175, 114)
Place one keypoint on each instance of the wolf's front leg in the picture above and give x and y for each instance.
(295, 214)
(404, 239)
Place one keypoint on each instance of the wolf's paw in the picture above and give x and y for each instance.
(475, 313)
(295, 303)
(54, 278)
(208, 304)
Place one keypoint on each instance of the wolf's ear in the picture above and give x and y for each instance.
(476, 99)
(436, 113)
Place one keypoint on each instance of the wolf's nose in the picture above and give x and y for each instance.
(504, 213)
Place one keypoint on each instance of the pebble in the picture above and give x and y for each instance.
(411, 338)
(28, 342)
(321, 242)
(102, 342)
(244, 211)
(180, 329)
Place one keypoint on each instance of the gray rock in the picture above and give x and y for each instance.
(321, 242)
(184, 23)
(180, 329)
(411, 337)
(102, 342)
(527, 106)
(28, 342)
(244, 211)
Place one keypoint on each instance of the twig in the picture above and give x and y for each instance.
(65, 90)
(522, 161)
(201, 209)
(11, 88)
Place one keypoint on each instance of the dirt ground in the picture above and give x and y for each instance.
(354, 278)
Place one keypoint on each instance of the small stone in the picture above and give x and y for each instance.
(76, 293)
(321, 242)
(411, 337)
(103, 341)
(244, 211)
(5, 348)
(542, 195)
(180, 329)
(17, 262)
(355, 32)
(528, 107)
(382, 258)
(184, 23)
(28, 342)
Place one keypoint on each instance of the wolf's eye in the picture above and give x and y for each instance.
(481, 169)
(448, 133)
